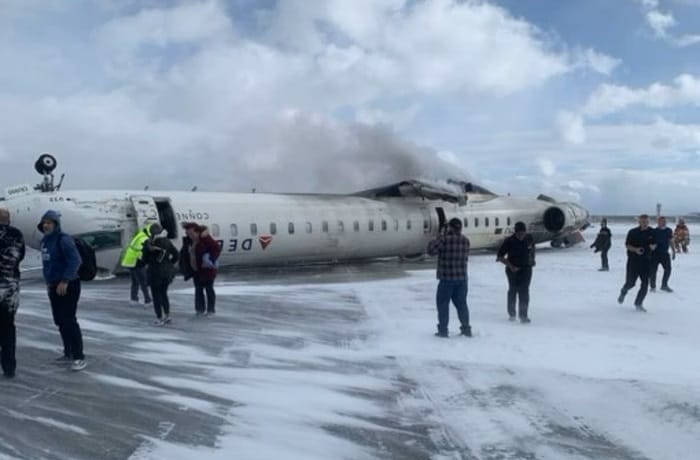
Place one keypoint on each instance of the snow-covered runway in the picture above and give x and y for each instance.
(340, 362)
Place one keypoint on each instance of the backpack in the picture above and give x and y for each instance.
(88, 268)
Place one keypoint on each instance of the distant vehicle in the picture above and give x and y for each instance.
(280, 228)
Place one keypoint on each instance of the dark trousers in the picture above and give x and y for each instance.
(637, 269)
(139, 280)
(663, 259)
(604, 259)
(519, 286)
(8, 339)
(159, 291)
(64, 309)
(199, 288)
(456, 291)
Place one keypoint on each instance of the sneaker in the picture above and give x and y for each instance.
(167, 320)
(653, 289)
(134, 303)
(210, 313)
(640, 308)
(444, 335)
(466, 331)
(158, 322)
(9, 375)
(511, 318)
(620, 298)
(63, 359)
(666, 288)
(199, 313)
(78, 365)
(525, 320)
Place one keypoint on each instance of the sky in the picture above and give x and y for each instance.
(594, 101)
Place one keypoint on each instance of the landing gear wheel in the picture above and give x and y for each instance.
(45, 164)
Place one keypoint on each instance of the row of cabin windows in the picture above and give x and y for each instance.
(496, 222)
(340, 226)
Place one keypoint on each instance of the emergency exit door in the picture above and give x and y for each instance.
(145, 209)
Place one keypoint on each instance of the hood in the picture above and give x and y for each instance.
(52, 215)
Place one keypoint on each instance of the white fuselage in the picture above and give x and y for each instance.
(271, 229)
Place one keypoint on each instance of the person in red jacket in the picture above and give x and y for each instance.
(202, 253)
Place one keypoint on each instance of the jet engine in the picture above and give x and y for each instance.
(565, 220)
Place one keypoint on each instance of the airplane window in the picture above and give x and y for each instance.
(508, 221)
(371, 225)
(486, 221)
(426, 225)
(215, 230)
(356, 226)
(308, 227)
(383, 225)
(408, 224)
(497, 223)
(396, 225)
(234, 230)
(253, 229)
(476, 221)
(466, 222)
(103, 239)
(324, 226)
(290, 228)
(273, 228)
(341, 226)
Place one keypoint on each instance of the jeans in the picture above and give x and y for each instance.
(199, 288)
(159, 291)
(455, 290)
(519, 286)
(64, 309)
(637, 269)
(663, 259)
(8, 339)
(138, 280)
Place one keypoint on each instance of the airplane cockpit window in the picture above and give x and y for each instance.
(103, 240)
(370, 225)
(324, 226)
(383, 225)
(253, 229)
(290, 228)
(341, 226)
(309, 228)
(273, 228)
(215, 230)
(234, 230)
(356, 226)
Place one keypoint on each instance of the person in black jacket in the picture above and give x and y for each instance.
(160, 257)
(517, 253)
(640, 243)
(11, 254)
(602, 244)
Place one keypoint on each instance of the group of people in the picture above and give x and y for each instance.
(153, 261)
(647, 248)
(517, 253)
(150, 257)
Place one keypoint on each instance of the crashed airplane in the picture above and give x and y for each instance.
(267, 229)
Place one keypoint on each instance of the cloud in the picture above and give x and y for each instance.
(598, 62)
(571, 128)
(660, 23)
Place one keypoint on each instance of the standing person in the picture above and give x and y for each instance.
(201, 255)
(132, 259)
(452, 249)
(663, 236)
(61, 260)
(681, 236)
(160, 257)
(640, 243)
(517, 253)
(11, 254)
(602, 244)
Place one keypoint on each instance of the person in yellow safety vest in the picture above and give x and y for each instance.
(132, 260)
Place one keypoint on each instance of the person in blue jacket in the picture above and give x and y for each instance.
(61, 260)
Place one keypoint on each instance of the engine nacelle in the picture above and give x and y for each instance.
(565, 218)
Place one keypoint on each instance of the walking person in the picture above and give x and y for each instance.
(61, 260)
(664, 241)
(132, 259)
(602, 244)
(681, 236)
(452, 249)
(160, 257)
(640, 243)
(11, 254)
(201, 256)
(517, 253)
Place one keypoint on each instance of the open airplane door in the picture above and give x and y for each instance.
(146, 210)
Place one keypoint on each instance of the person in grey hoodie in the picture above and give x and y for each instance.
(61, 260)
(11, 254)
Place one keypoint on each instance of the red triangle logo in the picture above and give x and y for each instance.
(265, 241)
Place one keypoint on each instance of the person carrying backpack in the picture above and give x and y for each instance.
(61, 261)
(160, 257)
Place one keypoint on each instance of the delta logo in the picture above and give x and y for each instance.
(265, 241)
